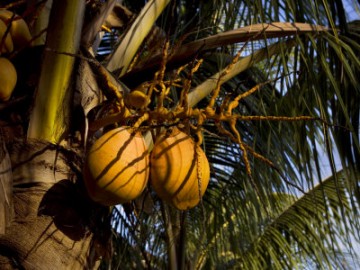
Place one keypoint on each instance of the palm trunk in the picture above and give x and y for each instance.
(53, 225)
(6, 187)
(46, 219)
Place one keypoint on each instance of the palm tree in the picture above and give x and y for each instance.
(284, 71)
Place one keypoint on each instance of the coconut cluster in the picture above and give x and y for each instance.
(14, 35)
(118, 166)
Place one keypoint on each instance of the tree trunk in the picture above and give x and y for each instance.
(55, 225)
(5, 187)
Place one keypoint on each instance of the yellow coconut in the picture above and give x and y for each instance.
(19, 29)
(117, 167)
(8, 78)
(179, 170)
(7, 45)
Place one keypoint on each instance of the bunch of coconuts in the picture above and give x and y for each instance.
(118, 166)
(14, 35)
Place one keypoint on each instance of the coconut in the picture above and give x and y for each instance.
(7, 46)
(117, 167)
(8, 78)
(19, 29)
(179, 170)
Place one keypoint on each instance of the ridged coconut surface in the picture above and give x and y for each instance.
(180, 171)
(19, 29)
(8, 78)
(7, 45)
(117, 167)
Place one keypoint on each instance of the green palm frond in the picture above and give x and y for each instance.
(301, 230)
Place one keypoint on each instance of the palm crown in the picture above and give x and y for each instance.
(267, 204)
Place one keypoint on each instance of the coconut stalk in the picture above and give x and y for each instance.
(49, 119)
(170, 238)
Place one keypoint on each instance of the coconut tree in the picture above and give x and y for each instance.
(264, 88)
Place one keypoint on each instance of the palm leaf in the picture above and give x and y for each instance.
(309, 227)
(125, 52)
(244, 34)
(206, 87)
(183, 53)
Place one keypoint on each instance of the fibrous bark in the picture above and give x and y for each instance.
(5, 187)
(55, 225)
